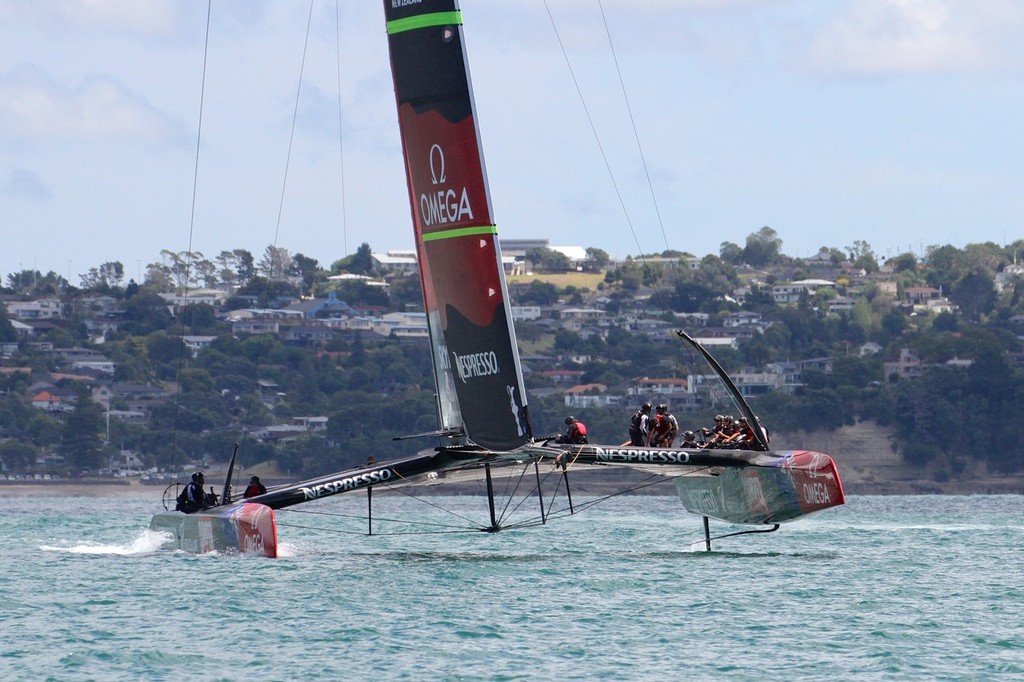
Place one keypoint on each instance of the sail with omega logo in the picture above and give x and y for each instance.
(476, 363)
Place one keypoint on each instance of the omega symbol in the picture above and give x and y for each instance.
(437, 164)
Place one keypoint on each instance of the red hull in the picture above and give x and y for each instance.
(245, 528)
(798, 483)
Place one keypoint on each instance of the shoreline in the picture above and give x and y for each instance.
(130, 488)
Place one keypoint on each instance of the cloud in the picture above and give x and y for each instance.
(24, 184)
(33, 106)
(152, 17)
(920, 36)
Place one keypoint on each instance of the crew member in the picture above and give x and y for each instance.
(575, 432)
(638, 425)
(657, 428)
(689, 440)
(671, 426)
(255, 487)
(192, 498)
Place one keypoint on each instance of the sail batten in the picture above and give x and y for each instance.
(424, 21)
(461, 232)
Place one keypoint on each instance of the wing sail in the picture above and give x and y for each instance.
(477, 369)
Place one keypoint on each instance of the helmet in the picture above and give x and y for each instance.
(570, 419)
(646, 407)
(689, 434)
(663, 408)
(719, 417)
(197, 475)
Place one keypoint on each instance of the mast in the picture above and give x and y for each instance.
(476, 362)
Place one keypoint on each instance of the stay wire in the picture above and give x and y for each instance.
(273, 250)
(341, 131)
(632, 121)
(593, 128)
(191, 232)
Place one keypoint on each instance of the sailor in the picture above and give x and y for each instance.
(744, 436)
(638, 425)
(192, 498)
(576, 432)
(689, 440)
(255, 487)
(715, 434)
(671, 426)
(657, 428)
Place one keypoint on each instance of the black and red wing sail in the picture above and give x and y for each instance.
(479, 378)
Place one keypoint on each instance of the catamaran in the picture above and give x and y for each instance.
(483, 415)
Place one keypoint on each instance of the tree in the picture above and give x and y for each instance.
(730, 253)
(975, 294)
(544, 259)
(597, 258)
(276, 264)
(16, 456)
(34, 283)
(145, 313)
(763, 247)
(105, 277)
(307, 268)
(539, 293)
(7, 332)
(358, 263)
(80, 442)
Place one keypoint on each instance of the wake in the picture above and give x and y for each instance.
(148, 543)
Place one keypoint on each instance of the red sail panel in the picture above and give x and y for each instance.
(459, 256)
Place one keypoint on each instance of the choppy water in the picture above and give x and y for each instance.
(884, 588)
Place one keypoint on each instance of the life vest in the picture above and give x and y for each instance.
(637, 419)
(578, 432)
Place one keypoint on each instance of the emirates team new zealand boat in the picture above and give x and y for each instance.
(484, 420)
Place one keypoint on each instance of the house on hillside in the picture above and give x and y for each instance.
(671, 386)
(40, 309)
(197, 343)
(789, 292)
(589, 395)
(907, 366)
(55, 400)
(306, 335)
(322, 308)
(395, 262)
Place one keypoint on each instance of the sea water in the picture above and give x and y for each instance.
(884, 588)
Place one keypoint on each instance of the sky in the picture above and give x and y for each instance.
(627, 125)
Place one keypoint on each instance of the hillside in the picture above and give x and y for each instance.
(869, 465)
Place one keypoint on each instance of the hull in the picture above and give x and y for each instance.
(796, 484)
(736, 486)
(244, 528)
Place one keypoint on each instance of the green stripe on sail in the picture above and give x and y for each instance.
(460, 232)
(424, 21)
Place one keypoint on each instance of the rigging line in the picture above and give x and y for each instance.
(632, 120)
(510, 495)
(507, 512)
(593, 129)
(361, 517)
(341, 131)
(354, 532)
(191, 228)
(274, 255)
(291, 135)
(653, 479)
(430, 504)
